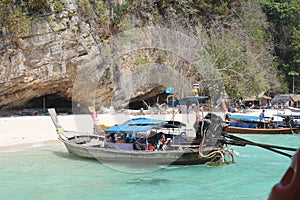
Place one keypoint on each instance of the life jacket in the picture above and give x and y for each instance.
(289, 186)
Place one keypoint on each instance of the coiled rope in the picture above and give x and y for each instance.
(211, 154)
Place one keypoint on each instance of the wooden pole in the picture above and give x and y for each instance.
(44, 103)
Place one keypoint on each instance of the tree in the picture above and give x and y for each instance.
(293, 73)
(243, 54)
(284, 21)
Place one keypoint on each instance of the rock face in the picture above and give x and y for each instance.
(61, 56)
(46, 61)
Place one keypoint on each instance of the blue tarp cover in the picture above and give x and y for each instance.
(243, 124)
(136, 125)
(244, 117)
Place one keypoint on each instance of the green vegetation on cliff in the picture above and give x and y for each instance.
(253, 44)
(284, 20)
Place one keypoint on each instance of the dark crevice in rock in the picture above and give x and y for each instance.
(39, 106)
(150, 101)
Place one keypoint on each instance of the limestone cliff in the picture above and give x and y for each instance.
(60, 55)
(117, 52)
(46, 61)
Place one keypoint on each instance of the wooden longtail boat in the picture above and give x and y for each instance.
(98, 147)
(248, 124)
(241, 130)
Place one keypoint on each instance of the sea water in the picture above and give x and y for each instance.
(50, 172)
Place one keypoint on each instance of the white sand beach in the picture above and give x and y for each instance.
(30, 131)
(21, 132)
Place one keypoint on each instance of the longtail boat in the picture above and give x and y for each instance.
(241, 130)
(180, 150)
(249, 124)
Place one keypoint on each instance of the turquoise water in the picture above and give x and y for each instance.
(51, 173)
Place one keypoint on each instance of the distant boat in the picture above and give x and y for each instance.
(180, 150)
(241, 130)
(289, 116)
(294, 109)
(249, 124)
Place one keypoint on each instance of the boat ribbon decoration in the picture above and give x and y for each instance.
(98, 127)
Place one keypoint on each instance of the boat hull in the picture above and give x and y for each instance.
(232, 129)
(174, 157)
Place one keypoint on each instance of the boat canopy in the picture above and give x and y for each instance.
(175, 124)
(141, 125)
(243, 117)
(188, 100)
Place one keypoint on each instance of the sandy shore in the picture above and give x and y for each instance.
(30, 131)
(19, 132)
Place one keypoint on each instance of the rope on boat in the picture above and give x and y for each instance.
(211, 154)
(216, 151)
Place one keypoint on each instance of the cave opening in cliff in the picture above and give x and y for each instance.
(148, 101)
(41, 104)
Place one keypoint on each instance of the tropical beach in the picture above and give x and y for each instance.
(18, 132)
(149, 99)
(34, 164)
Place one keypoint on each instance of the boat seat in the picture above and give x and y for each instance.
(122, 146)
(93, 143)
(178, 145)
(80, 140)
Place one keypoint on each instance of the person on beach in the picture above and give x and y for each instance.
(262, 115)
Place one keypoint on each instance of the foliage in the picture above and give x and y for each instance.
(235, 32)
(100, 10)
(16, 16)
(13, 20)
(284, 17)
(85, 9)
(37, 6)
(96, 14)
(58, 6)
(242, 53)
(293, 73)
(252, 49)
(236, 64)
